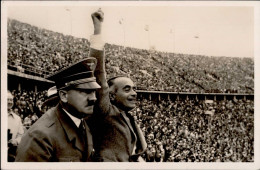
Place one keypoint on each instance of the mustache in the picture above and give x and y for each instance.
(91, 102)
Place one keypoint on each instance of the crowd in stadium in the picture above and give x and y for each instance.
(178, 131)
(27, 105)
(44, 52)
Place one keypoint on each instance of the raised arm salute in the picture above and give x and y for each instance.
(117, 138)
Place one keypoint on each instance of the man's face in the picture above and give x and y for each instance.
(125, 94)
(10, 101)
(16, 111)
(81, 100)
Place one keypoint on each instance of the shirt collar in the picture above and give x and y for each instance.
(11, 113)
(73, 118)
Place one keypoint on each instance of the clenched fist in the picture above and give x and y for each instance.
(97, 18)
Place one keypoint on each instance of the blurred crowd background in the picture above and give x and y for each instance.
(175, 130)
(180, 131)
(41, 52)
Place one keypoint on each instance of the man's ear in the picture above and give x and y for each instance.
(112, 96)
(63, 96)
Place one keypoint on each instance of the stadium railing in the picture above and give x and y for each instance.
(27, 69)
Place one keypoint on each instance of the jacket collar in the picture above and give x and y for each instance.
(141, 144)
(69, 128)
(129, 124)
(73, 118)
(11, 113)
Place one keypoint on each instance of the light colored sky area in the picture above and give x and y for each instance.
(222, 30)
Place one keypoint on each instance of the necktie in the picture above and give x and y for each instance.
(82, 129)
(83, 134)
(86, 138)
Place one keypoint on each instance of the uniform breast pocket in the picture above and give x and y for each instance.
(69, 159)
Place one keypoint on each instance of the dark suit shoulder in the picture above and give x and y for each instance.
(48, 118)
(45, 124)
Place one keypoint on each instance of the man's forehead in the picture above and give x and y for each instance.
(10, 96)
(123, 81)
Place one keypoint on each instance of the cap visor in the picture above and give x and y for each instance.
(89, 85)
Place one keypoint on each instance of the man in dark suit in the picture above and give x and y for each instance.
(117, 137)
(62, 134)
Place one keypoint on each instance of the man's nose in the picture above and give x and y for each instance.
(92, 97)
(133, 93)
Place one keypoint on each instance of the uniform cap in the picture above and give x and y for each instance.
(79, 74)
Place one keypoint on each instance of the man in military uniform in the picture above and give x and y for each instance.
(62, 134)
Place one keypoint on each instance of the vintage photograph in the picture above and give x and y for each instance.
(128, 82)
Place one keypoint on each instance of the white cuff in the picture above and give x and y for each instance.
(96, 42)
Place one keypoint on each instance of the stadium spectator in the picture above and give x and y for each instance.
(52, 99)
(15, 129)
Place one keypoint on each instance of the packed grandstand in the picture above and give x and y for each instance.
(175, 130)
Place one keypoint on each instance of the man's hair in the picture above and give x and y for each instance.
(111, 82)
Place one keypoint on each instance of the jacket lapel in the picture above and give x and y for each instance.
(70, 128)
(141, 143)
(89, 140)
(127, 119)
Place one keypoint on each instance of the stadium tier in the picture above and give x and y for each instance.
(41, 51)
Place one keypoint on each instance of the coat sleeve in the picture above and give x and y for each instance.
(103, 104)
(35, 147)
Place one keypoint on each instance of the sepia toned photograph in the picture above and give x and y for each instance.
(168, 83)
